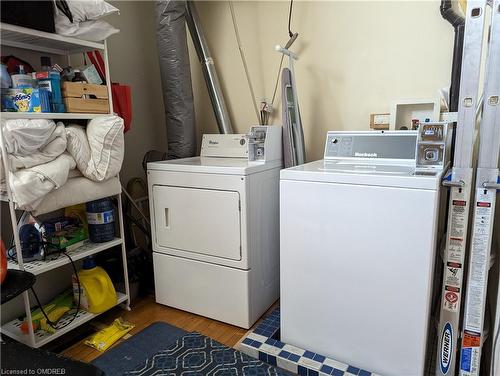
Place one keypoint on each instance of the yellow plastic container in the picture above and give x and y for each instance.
(97, 293)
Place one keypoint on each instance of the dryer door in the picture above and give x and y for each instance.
(202, 221)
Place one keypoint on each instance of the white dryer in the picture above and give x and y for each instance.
(215, 227)
(359, 232)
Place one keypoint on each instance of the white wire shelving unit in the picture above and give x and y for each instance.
(34, 40)
(48, 115)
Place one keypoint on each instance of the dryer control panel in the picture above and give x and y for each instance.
(261, 144)
(224, 146)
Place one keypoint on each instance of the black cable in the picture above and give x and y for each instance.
(494, 353)
(62, 5)
(290, 34)
(277, 80)
(52, 324)
(290, 19)
(13, 256)
(138, 224)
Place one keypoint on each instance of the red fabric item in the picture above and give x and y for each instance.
(14, 62)
(100, 69)
(122, 103)
(121, 94)
(100, 61)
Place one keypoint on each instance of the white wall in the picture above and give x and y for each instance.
(355, 57)
(133, 58)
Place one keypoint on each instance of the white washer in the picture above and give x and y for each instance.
(215, 228)
(359, 233)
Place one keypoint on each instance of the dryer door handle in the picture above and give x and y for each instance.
(167, 218)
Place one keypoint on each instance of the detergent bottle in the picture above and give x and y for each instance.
(97, 293)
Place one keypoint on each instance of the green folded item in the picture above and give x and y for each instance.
(66, 237)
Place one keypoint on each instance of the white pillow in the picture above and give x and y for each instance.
(78, 146)
(89, 10)
(98, 150)
(95, 31)
(107, 144)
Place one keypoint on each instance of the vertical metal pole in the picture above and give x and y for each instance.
(124, 252)
(108, 77)
(208, 68)
(460, 195)
(15, 233)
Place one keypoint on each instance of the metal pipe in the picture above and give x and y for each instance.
(458, 22)
(456, 68)
(208, 68)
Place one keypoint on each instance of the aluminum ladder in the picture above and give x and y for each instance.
(486, 185)
(460, 184)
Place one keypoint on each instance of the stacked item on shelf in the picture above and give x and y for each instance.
(64, 234)
(47, 239)
(52, 89)
(24, 90)
(92, 291)
(44, 156)
(73, 18)
(83, 19)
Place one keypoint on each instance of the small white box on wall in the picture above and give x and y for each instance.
(403, 111)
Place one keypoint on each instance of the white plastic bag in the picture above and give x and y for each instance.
(90, 10)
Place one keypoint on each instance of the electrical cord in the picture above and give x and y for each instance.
(494, 355)
(12, 252)
(290, 33)
(244, 61)
(277, 79)
(52, 324)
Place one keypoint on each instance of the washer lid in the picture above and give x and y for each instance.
(365, 173)
(214, 165)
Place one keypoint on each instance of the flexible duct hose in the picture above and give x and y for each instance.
(176, 78)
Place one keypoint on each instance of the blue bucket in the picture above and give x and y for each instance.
(101, 220)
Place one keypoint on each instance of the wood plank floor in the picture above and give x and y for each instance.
(146, 311)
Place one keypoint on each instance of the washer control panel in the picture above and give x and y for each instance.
(371, 145)
(433, 146)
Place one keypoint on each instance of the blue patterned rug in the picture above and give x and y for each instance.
(131, 352)
(196, 355)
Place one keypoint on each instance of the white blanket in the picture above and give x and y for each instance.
(39, 162)
(36, 158)
(55, 146)
(30, 185)
(32, 143)
(25, 136)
